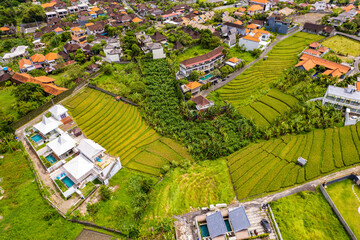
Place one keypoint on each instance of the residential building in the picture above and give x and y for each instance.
(318, 29)
(157, 50)
(25, 65)
(342, 17)
(265, 4)
(192, 87)
(256, 39)
(233, 62)
(240, 29)
(51, 57)
(112, 54)
(61, 13)
(202, 103)
(343, 98)
(62, 147)
(231, 40)
(47, 127)
(19, 51)
(204, 63)
(254, 9)
(97, 28)
(58, 112)
(333, 69)
(51, 15)
(78, 35)
(159, 38)
(320, 6)
(277, 23)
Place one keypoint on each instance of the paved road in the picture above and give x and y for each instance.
(129, 7)
(238, 72)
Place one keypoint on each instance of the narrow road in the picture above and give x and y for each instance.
(238, 72)
(129, 7)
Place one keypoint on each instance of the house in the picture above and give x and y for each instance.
(277, 23)
(318, 29)
(231, 40)
(193, 87)
(178, 45)
(61, 13)
(136, 20)
(301, 161)
(112, 54)
(51, 57)
(47, 126)
(19, 51)
(312, 52)
(349, 8)
(239, 222)
(216, 225)
(25, 65)
(158, 37)
(256, 39)
(240, 29)
(82, 20)
(255, 9)
(204, 63)
(62, 146)
(38, 60)
(343, 98)
(202, 103)
(333, 69)
(233, 62)
(157, 50)
(265, 4)
(342, 17)
(58, 112)
(78, 35)
(94, 29)
(71, 48)
(51, 15)
(320, 6)
(58, 31)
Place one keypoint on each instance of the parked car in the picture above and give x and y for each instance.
(266, 225)
(255, 232)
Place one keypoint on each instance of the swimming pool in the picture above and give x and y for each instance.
(227, 224)
(204, 230)
(51, 158)
(68, 182)
(206, 77)
(36, 138)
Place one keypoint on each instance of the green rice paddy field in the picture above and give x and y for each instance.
(270, 166)
(249, 85)
(346, 202)
(341, 44)
(120, 129)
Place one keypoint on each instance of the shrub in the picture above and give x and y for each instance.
(191, 105)
(105, 193)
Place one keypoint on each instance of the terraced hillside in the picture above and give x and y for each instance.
(268, 107)
(283, 55)
(271, 165)
(119, 128)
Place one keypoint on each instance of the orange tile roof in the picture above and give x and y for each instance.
(333, 73)
(313, 51)
(323, 49)
(4, 29)
(37, 58)
(260, 1)
(89, 24)
(45, 79)
(51, 56)
(348, 8)
(193, 85)
(21, 77)
(326, 63)
(254, 8)
(53, 89)
(247, 30)
(76, 29)
(24, 61)
(92, 13)
(241, 9)
(95, 9)
(238, 22)
(136, 20)
(358, 86)
(314, 45)
(260, 31)
(254, 39)
(307, 64)
(252, 26)
(233, 60)
(58, 29)
(50, 4)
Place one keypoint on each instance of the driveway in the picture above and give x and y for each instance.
(238, 72)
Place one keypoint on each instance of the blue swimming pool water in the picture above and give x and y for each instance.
(36, 138)
(204, 230)
(68, 182)
(228, 227)
(206, 77)
(51, 158)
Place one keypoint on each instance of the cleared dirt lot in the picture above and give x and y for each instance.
(309, 17)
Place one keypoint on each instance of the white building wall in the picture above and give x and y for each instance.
(249, 45)
(158, 53)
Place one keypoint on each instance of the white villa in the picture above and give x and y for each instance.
(47, 126)
(62, 146)
(256, 39)
(91, 149)
(59, 112)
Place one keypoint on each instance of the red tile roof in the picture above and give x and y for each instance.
(203, 58)
(326, 63)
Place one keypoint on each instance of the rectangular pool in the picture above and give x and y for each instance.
(206, 77)
(51, 158)
(228, 226)
(204, 230)
(36, 138)
(68, 182)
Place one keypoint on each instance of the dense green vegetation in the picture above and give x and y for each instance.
(307, 215)
(342, 195)
(119, 128)
(25, 214)
(252, 83)
(209, 135)
(270, 166)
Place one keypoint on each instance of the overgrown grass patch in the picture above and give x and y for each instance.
(343, 45)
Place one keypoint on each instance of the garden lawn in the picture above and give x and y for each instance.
(250, 84)
(245, 55)
(6, 99)
(341, 44)
(307, 215)
(200, 185)
(26, 215)
(342, 195)
(270, 166)
(120, 129)
(191, 52)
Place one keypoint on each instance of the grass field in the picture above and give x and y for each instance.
(191, 52)
(120, 129)
(202, 184)
(25, 214)
(245, 55)
(340, 44)
(6, 100)
(268, 107)
(342, 195)
(307, 215)
(270, 166)
(251, 83)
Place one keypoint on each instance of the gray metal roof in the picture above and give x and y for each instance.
(216, 225)
(239, 219)
(302, 160)
(341, 92)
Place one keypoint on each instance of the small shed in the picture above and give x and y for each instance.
(301, 161)
(77, 132)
